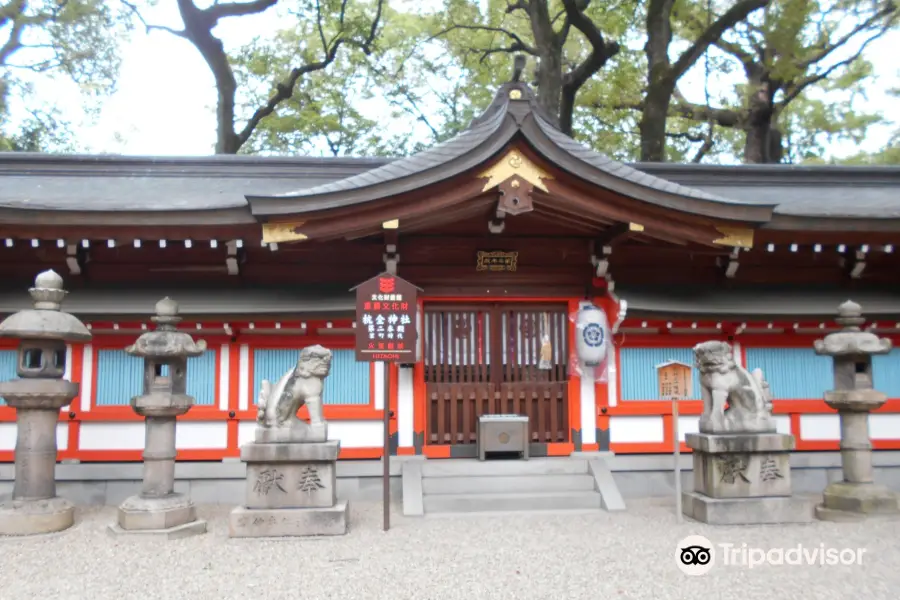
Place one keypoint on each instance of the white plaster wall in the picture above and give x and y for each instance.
(62, 436)
(246, 431)
(633, 429)
(8, 436)
(405, 408)
(357, 434)
(688, 424)
(612, 377)
(378, 384)
(87, 377)
(201, 435)
(884, 426)
(224, 379)
(783, 424)
(244, 378)
(111, 436)
(825, 427)
(67, 375)
(588, 408)
(352, 434)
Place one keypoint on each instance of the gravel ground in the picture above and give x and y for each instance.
(592, 556)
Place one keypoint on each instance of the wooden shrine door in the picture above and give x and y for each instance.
(486, 359)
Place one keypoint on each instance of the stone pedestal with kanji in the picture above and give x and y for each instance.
(291, 491)
(743, 479)
(857, 496)
(742, 469)
(291, 467)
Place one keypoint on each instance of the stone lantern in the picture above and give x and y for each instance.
(37, 396)
(857, 496)
(158, 509)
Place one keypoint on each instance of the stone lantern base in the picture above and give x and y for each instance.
(291, 491)
(743, 479)
(31, 517)
(169, 517)
(846, 501)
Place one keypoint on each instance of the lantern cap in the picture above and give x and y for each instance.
(166, 341)
(851, 340)
(45, 320)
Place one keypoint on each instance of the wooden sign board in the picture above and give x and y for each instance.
(497, 261)
(386, 313)
(675, 379)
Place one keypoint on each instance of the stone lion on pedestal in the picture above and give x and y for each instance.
(277, 406)
(724, 381)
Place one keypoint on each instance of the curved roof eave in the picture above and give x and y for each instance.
(486, 136)
(832, 224)
(596, 168)
(459, 154)
(236, 216)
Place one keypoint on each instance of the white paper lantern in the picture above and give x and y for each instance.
(592, 335)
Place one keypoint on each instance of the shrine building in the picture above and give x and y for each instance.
(508, 230)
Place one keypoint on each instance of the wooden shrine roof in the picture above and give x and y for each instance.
(243, 190)
(113, 183)
(487, 135)
(514, 115)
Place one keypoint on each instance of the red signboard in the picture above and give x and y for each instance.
(386, 312)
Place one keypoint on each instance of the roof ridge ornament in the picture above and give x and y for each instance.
(519, 62)
(514, 163)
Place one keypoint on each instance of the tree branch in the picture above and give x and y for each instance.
(886, 11)
(795, 88)
(515, 38)
(285, 89)
(514, 48)
(601, 51)
(711, 34)
(14, 15)
(366, 46)
(697, 112)
(148, 26)
(707, 145)
(237, 9)
(517, 5)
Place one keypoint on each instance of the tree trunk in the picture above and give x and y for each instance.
(198, 30)
(652, 124)
(550, 68)
(549, 82)
(763, 142)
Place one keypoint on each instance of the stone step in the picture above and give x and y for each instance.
(459, 467)
(508, 484)
(516, 513)
(534, 501)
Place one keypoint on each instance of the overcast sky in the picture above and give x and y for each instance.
(165, 95)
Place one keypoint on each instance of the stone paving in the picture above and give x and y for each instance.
(591, 556)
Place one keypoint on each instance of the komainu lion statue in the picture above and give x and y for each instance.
(277, 406)
(723, 381)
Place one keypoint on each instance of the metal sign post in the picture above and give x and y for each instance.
(675, 437)
(386, 333)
